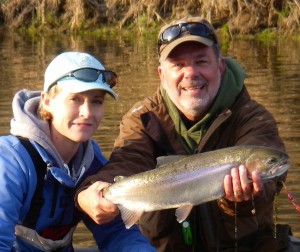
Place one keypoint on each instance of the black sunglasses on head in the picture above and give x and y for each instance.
(176, 31)
(92, 74)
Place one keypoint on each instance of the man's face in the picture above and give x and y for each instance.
(191, 76)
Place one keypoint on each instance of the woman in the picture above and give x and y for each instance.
(48, 154)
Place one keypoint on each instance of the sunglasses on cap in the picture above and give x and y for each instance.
(92, 74)
(192, 28)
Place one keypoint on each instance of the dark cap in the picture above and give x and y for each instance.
(183, 30)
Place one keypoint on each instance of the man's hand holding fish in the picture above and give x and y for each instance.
(237, 186)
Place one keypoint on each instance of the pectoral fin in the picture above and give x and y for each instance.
(130, 217)
(183, 212)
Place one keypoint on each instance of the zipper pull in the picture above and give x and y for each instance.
(187, 233)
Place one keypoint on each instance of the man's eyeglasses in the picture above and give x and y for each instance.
(92, 74)
(175, 31)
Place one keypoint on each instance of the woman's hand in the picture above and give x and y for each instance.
(99, 209)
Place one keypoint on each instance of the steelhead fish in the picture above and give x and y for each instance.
(184, 181)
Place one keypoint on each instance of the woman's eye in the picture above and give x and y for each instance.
(178, 65)
(99, 101)
(76, 99)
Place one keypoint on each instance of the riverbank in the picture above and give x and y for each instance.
(236, 17)
(272, 77)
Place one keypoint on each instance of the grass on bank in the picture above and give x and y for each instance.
(76, 16)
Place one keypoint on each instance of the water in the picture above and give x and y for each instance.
(273, 80)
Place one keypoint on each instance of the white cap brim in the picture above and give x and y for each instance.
(72, 85)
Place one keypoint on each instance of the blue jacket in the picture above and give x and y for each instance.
(18, 181)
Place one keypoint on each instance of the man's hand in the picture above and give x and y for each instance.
(237, 187)
(98, 208)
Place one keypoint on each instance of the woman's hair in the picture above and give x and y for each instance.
(43, 113)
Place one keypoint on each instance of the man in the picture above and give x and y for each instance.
(201, 105)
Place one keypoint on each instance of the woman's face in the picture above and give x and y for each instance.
(75, 116)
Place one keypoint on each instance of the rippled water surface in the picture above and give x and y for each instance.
(273, 80)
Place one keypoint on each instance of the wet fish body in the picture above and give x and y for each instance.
(184, 181)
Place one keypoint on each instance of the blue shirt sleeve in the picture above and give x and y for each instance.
(114, 236)
(18, 181)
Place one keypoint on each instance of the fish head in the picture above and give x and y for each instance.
(268, 162)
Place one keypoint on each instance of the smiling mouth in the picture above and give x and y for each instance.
(83, 124)
(199, 87)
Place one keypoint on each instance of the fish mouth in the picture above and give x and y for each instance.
(280, 169)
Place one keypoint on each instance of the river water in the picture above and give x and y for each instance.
(273, 71)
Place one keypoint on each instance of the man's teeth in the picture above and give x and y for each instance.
(193, 88)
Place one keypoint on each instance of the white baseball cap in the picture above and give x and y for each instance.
(65, 67)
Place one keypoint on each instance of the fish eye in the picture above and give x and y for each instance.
(272, 160)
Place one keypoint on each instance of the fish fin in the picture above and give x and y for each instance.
(130, 217)
(118, 178)
(168, 159)
(183, 212)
